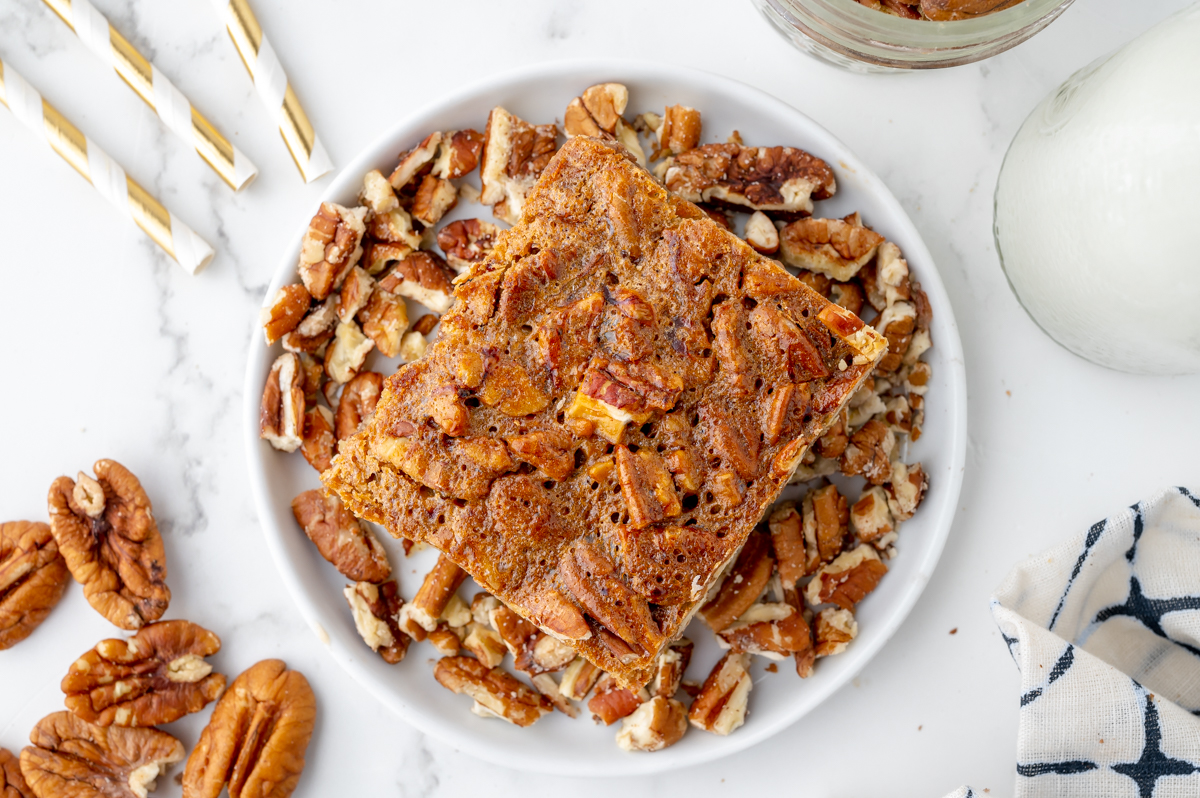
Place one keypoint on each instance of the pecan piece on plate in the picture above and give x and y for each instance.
(744, 583)
(106, 532)
(347, 354)
(420, 616)
(761, 233)
(610, 702)
(721, 705)
(417, 161)
(424, 277)
(33, 577)
(771, 630)
(869, 452)
(835, 628)
(315, 330)
(783, 181)
(319, 442)
(872, 520)
(281, 413)
(846, 580)
(670, 667)
(157, 676)
(355, 293)
(837, 248)
(653, 726)
(384, 320)
(466, 242)
(514, 155)
(256, 738)
(906, 489)
(497, 694)
(458, 154)
(71, 757)
(826, 521)
(331, 246)
(340, 537)
(677, 130)
(375, 609)
(12, 783)
(596, 110)
(358, 401)
(578, 679)
(434, 199)
(285, 312)
(534, 652)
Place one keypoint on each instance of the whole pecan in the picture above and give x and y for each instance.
(12, 783)
(72, 758)
(256, 739)
(157, 676)
(106, 532)
(32, 579)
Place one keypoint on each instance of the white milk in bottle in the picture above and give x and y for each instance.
(1098, 206)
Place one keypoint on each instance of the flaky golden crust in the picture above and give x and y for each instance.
(605, 377)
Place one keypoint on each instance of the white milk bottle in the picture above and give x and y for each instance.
(1097, 216)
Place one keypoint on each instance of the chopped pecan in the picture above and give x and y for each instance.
(319, 442)
(915, 379)
(646, 486)
(106, 532)
(508, 387)
(458, 154)
(377, 194)
(578, 679)
(486, 644)
(340, 537)
(591, 577)
(315, 330)
(892, 282)
(497, 694)
(598, 109)
(610, 702)
(379, 255)
(157, 676)
(744, 583)
(872, 520)
(897, 323)
(12, 783)
(285, 311)
(835, 628)
(848, 296)
(677, 130)
(358, 401)
(445, 640)
(355, 293)
(870, 452)
(761, 233)
(727, 488)
(71, 757)
(281, 413)
(669, 668)
(435, 198)
(533, 650)
(514, 155)
(783, 181)
(393, 227)
(551, 450)
(384, 320)
(420, 617)
(771, 630)
(375, 608)
(667, 564)
(906, 489)
(721, 705)
(898, 415)
(826, 520)
(613, 393)
(415, 161)
(653, 726)
(257, 736)
(33, 577)
(348, 353)
(331, 246)
(834, 247)
(424, 277)
(425, 324)
(467, 241)
(846, 580)
(546, 685)
(787, 538)
(728, 324)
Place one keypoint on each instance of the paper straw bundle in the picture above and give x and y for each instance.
(159, 93)
(273, 88)
(177, 239)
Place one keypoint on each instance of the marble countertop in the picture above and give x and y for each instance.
(115, 352)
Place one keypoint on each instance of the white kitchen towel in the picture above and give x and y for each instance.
(1105, 630)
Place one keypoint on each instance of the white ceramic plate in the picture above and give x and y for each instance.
(557, 744)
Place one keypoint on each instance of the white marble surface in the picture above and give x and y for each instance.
(114, 352)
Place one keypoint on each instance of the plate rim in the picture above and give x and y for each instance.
(748, 735)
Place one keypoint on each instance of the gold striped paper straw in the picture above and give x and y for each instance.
(177, 239)
(273, 88)
(172, 107)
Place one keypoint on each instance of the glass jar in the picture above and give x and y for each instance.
(862, 39)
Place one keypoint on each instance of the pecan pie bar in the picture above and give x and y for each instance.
(619, 392)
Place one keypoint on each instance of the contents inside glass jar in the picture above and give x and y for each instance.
(939, 10)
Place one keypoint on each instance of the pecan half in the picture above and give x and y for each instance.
(846, 580)
(721, 705)
(12, 783)
(71, 757)
(106, 532)
(157, 676)
(375, 609)
(744, 583)
(591, 577)
(281, 412)
(256, 739)
(33, 577)
(285, 312)
(653, 726)
(331, 246)
(514, 155)
(340, 537)
(359, 398)
(466, 242)
(497, 694)
(782, 181)
(837, 248)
